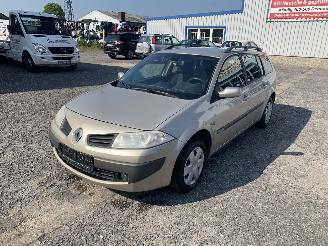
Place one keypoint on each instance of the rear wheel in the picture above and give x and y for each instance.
(129, 55)
(113, 56)
(189, 167)
(29, 63)
(267, 114)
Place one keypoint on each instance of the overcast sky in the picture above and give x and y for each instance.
(140, 7)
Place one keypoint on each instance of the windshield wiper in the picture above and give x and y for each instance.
(125, 85)
(163, 93)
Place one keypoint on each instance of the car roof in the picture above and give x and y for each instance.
(22, 12)
(209, 51)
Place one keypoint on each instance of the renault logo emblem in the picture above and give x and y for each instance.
(77, 135)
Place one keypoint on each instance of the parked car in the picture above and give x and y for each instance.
(193, 43)
(250, 44)
(176, 109)
(152, 43)
(121, 44)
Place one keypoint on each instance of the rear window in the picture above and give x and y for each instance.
(113, 38)
(145, 39)
(266, 64)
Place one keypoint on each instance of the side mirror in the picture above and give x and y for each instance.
(120, 75)
(230, 92)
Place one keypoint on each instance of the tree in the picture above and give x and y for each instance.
(56, 9)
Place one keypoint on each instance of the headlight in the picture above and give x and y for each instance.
(60, 116)
(140, 140)
(77, 49)
(39, 48)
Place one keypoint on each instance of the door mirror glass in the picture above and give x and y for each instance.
(120, 75)
(230, 92)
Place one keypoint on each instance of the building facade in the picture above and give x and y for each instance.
(279, 29)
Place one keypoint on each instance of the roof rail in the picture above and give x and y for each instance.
(245, 48)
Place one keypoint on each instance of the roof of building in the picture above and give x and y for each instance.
(3, 17)
(128, 17)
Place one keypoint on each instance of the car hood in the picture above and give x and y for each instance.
(129, 108)
(53, 40)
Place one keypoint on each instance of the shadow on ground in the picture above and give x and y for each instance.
(14, 78)
(240, 162)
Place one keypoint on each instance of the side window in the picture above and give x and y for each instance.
(167, 41)
(14, 23)
(231, 74)
(174, 40)
(266, 64)
(253, 68)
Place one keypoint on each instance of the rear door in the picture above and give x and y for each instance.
(229, 115)
(256, 85)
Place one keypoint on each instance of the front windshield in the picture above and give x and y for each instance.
(178, 75)
(43, 25)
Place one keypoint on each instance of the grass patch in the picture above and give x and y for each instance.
(84, 45)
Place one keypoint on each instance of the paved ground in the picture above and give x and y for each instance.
(268, 187)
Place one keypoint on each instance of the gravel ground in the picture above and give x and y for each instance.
(268, 187)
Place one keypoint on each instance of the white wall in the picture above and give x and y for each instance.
(96, 15)
(305, 39)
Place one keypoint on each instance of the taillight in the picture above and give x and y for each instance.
(153, 41)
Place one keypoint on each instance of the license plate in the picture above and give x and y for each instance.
(64, 62)
(75, 158)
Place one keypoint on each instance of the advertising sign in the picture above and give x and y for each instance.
(293, 10)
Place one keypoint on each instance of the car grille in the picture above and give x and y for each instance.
(85, 164)
(101, 141)
(61, 50)
(65, 127)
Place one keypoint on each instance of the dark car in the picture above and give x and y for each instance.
(193, 43)
(121, 44)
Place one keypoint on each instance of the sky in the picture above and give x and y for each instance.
(140, 7)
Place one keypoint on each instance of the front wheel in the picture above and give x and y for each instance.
(189, 167)
(113, 56)
(29, 63)
(267, 115)
(129, 55)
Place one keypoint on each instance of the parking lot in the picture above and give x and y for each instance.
(267, 187)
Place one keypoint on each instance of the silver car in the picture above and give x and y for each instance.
(158, 124)
(154, 42)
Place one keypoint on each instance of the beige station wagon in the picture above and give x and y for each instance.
(158, 124)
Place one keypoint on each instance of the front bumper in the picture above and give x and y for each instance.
(56, 60)
(146, 169)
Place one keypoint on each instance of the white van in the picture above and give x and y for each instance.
(3, 30)
(40, 39)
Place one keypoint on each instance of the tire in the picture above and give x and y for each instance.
(185, 170)
(3, 59)
(129, 55)
(267, 115)
(113, 56)
(29, 63)
(72, 67)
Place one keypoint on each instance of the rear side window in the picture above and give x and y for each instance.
(253, 68)
(231, 74)
(266, 64)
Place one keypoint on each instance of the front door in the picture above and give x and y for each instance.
(230, 115)
(16, 38)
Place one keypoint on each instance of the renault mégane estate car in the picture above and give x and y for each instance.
(158, 124)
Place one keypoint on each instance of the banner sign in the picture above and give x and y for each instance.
(298, 10)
